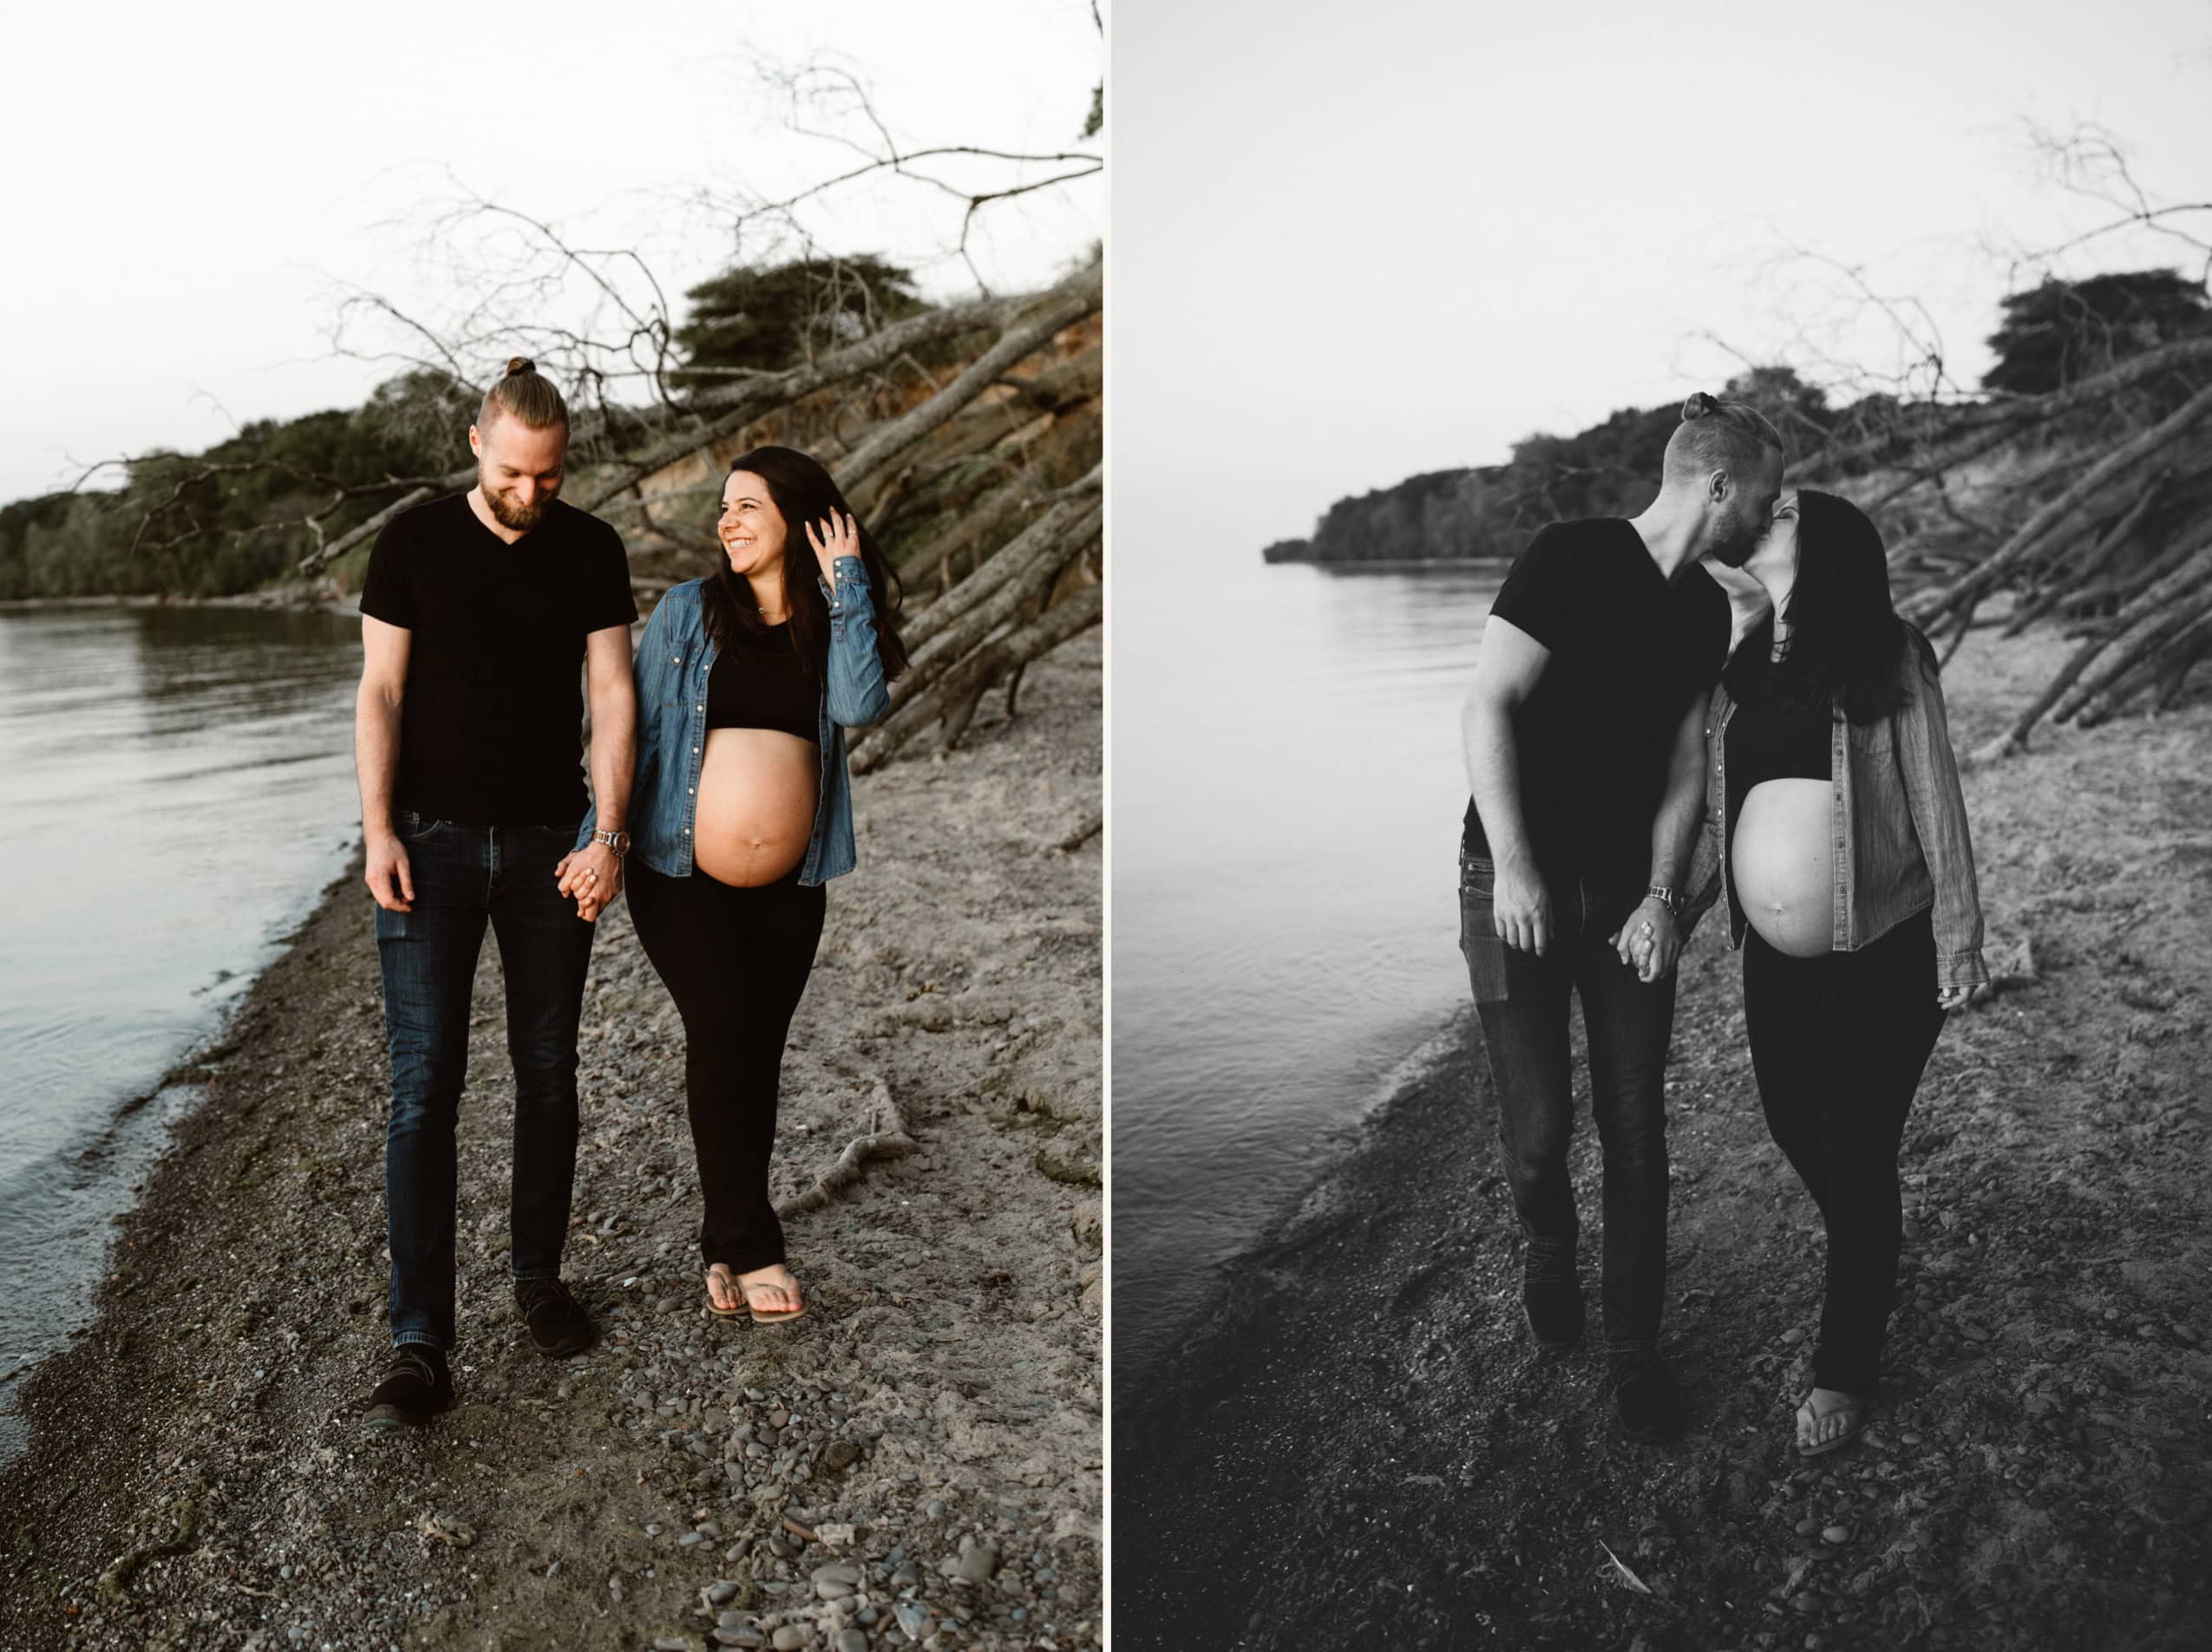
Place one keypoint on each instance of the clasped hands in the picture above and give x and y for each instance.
(592, 876)
(1649, 941)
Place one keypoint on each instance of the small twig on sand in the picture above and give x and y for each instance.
(1093, 824)
(114, 1584)
(891, 1141)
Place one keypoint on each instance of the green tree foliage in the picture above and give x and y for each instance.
(230, 519)
(768, 319)
(2064, 331)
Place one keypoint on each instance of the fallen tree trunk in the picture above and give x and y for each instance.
(2094, 562)
(1073, 301)
(1058, 623)
(2135, 627)
(1930, 606)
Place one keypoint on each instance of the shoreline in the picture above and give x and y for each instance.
(916, 1461)
(1361, 1449)
(281, 597)
(1393, 565)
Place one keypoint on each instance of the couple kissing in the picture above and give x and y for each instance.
(1629, 770)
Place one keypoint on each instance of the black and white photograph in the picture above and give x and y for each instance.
(1658, 780)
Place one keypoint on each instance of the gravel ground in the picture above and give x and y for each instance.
(915, 1462)
(1364, 1450)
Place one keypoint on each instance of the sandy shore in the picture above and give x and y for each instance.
(917, 1460)
(1364, 1450)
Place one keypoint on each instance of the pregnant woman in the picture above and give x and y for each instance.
(1836, 830)
(741, 812)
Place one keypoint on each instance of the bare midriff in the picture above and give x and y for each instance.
(756, 805)
(1784, 866)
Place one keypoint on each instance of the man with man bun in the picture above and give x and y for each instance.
(477, 612)
(1585, 742)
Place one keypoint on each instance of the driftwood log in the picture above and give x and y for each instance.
(2090, 507)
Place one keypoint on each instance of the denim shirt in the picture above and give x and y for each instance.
(674, 658)
(1898, 838)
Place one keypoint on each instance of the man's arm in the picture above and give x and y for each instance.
(1674, 833)
(1506, 673)
(614, 763)
(375, 757)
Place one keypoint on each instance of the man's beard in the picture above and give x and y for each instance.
(507, 514)
(1735, 548)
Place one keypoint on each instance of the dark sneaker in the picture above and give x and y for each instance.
(1551, 1298)
(1643, 1393)
(415, 1387)
(557, 1323)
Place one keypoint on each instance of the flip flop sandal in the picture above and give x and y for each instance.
(772, 1316)
(730, 1281)
(1854, 1419)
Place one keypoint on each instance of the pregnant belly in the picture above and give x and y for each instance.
(756, 805)
(1784, 868)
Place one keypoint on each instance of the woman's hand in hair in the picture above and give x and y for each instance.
(837, 535)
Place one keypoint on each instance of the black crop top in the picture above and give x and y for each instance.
(759, 681)
(1770, 742)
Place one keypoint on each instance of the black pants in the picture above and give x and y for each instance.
(1525, 1003)
(1838, 1042)
(735, 961)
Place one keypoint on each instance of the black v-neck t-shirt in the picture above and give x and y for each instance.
(491, 728)
(1628, 649)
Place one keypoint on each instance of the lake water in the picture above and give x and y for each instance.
(179, 785)
(1287, 785)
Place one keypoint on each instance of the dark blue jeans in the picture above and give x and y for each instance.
(1524, 1002)
(466, 876)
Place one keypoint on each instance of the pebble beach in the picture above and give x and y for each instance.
(1362, 1448)
(915, 1463)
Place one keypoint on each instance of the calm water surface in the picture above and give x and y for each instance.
(1287, 786)
(180, 788)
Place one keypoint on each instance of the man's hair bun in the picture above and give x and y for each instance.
(524, 394)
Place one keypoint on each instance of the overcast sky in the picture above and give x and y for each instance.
(1353, 242)
(189, 191)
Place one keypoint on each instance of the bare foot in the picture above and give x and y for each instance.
(771, 1291)
(722, 1295)
(1828, 1418)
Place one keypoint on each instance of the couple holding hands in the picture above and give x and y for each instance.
(1628, 772)
(720, 798)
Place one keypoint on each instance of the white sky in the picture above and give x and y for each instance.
(1353, 242)
(189, 189)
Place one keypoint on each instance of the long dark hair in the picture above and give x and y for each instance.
(1846, 641)
(803, 492)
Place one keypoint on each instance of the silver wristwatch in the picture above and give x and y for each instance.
(1665, 895)
(618, 841)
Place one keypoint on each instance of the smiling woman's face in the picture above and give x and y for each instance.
(752, 530)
